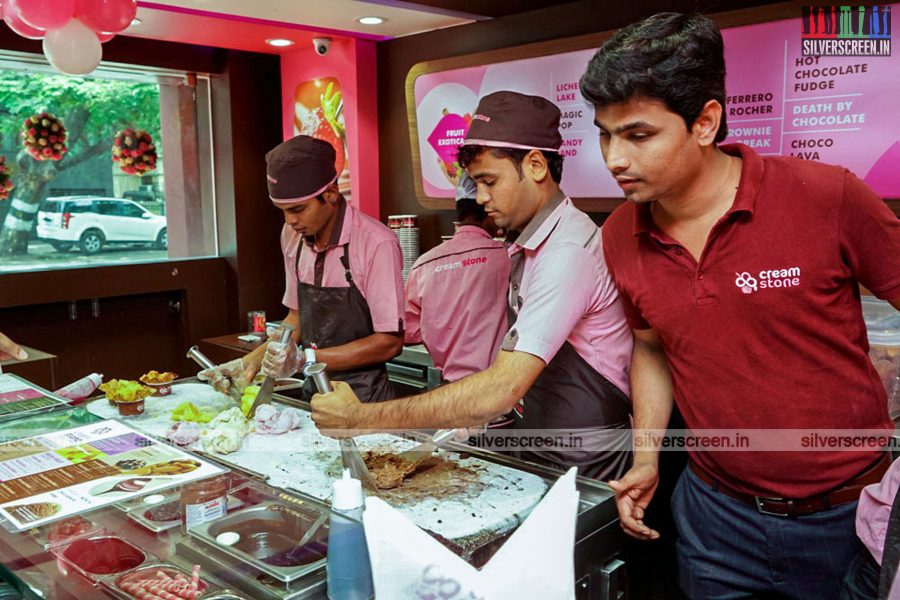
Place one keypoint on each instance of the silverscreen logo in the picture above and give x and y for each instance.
(846, 30)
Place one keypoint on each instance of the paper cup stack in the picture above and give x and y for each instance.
(407, 229)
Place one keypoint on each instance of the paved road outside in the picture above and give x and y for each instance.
(41, 256)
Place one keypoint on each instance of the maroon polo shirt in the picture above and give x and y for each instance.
(767, 330)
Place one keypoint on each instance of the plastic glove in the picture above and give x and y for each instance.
(223, 377)
(281, 360)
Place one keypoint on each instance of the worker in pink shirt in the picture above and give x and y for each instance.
(568, 352)
(873, 573)
(343, 284)
(456, 294)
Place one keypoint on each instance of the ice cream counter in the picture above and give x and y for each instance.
(272, 542)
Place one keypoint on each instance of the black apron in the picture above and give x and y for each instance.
(332, 316)
(578, 403)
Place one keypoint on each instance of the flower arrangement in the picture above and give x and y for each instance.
(44, 137)
(134, 152)
(6, 184)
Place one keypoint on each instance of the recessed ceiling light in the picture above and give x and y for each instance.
(280, 42)
(371, 20)
(135, 21)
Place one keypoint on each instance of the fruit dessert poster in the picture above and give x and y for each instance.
(319, 112)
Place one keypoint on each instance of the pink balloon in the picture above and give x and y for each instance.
(43, 14)
(111, 16)
(21, 27)
(104, 36)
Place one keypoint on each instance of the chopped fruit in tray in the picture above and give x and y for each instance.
(125, 390)
(187, 411)
(155, 377)
(247, 398)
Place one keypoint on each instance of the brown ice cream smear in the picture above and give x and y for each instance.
(407, 480)
(388, 470)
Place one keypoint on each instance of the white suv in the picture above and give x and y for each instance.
(90, 222)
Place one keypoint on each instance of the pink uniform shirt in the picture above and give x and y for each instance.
(874, 511)
(375, 263)
(456, 302)
(568, 295)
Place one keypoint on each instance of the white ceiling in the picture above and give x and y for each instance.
(402, 18)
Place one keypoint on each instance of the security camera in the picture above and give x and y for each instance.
(322, 45)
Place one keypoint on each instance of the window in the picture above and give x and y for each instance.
(131, 210)
(85, 209)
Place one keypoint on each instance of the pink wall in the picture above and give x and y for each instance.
(352, 62)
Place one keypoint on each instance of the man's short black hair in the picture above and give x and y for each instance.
(675, 58)
(467, 209)
(554, 160)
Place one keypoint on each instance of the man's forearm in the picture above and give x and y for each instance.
(652, 398)
(469, 402)
(370, 350)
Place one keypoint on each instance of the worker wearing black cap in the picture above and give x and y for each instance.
(569, 350)
(344, 290)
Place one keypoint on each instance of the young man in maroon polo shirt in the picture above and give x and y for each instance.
(740, 276)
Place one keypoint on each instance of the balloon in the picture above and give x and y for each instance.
(43, 14)
(73, 48)
(111, 16)
(21, 27)
(104, 36)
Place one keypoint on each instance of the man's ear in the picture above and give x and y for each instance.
(706, 125)
(535, 166)
(331, 193)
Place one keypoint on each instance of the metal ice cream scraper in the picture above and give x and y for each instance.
(350, 456)
(201, 359)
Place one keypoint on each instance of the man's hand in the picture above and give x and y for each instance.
(223, 377)
(633, 494)
(281, 360)
(335, 413)
(9, 349)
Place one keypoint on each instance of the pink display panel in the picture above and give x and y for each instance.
(838, 110)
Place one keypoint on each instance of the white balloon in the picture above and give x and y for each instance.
(73, 48)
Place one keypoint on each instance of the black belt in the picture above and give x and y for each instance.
(795, 507)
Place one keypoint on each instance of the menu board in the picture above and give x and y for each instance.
(20, 397)
(839, 110)
(63, 473)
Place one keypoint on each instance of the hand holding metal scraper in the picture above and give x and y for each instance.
(333, 413)
(281, 359)
(281, 336)
(227, 378)
(350, 456)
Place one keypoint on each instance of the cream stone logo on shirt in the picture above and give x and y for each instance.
(767, 279)
(460, 264)
(746, 282)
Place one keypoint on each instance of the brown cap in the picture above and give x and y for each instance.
(299, 169)
(513, 120)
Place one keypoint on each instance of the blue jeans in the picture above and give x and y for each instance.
(726, 549)
(861, 582)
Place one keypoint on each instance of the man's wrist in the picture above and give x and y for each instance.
(358, 416)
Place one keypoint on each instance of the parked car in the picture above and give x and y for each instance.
(90, 223)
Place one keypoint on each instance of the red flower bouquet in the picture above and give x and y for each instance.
(6, 184)
(134, 152)
(44, 137)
